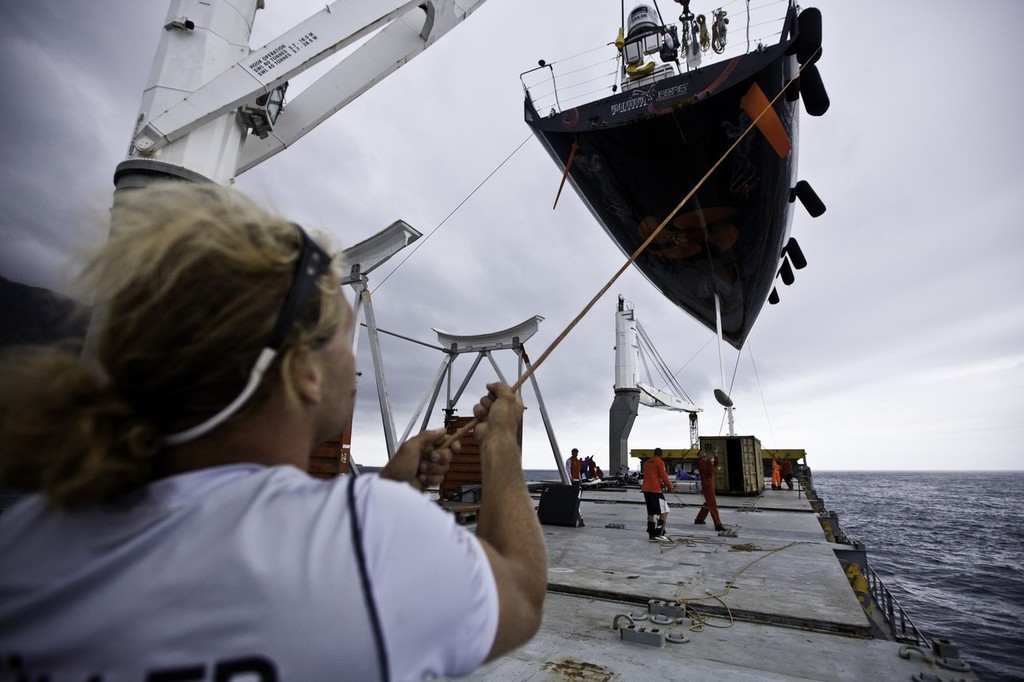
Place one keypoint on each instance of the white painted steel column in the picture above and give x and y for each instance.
(186, 59)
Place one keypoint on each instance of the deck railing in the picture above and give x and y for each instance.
(572, 81)
(899, 622)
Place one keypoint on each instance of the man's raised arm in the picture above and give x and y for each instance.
(507, 525)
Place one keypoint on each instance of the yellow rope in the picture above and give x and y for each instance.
(676, 541)
(700, 620)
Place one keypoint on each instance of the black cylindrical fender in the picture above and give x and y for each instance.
(816, 101)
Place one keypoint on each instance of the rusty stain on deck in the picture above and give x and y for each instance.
(570, 669)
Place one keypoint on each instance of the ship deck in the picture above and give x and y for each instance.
(771, 603)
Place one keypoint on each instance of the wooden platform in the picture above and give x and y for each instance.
(464, 469)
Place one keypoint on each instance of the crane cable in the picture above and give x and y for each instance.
(760, 388)
(453, 212)
(732, 384)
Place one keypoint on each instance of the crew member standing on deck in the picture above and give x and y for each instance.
(776, 474)
(655, 476)
(575, 466)
(172, 530)
(787, 472)
(706, 466)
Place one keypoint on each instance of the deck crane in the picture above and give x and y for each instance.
(631, 392)
(214, 107)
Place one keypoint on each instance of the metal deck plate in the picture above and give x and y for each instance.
(772, 603)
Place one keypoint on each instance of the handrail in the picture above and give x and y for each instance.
(587, 76)
(899, 622)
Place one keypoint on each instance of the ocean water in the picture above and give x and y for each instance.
(950, 548)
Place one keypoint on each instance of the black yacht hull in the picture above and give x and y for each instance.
(639, 153)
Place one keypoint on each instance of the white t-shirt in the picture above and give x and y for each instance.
(242, 572)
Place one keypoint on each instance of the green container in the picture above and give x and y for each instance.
(739, 470)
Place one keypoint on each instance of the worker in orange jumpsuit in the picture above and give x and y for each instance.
(787, 472)
(706, 466)
(655, 476)
(575, 465)
(776, 474)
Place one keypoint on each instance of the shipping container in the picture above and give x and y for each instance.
(739, 464)
(330, 458)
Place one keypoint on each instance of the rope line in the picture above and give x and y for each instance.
(701, 620)
(453, 212)
(561, 554)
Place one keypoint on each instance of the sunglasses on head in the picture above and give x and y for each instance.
(313, 262)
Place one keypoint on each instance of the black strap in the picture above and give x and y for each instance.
(313, 262)
(357, 543)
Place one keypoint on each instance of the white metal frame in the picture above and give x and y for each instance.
(484, 345)
(204, 72)
(362, 259)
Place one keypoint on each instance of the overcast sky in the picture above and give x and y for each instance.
(900, 346)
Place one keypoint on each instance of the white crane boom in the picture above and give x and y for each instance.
(206, 81)
(627, 365)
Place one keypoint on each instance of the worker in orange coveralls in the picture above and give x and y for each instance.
(706, 466)
(787, 472)
(575, 465)
(655, 476)
(776, 474)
